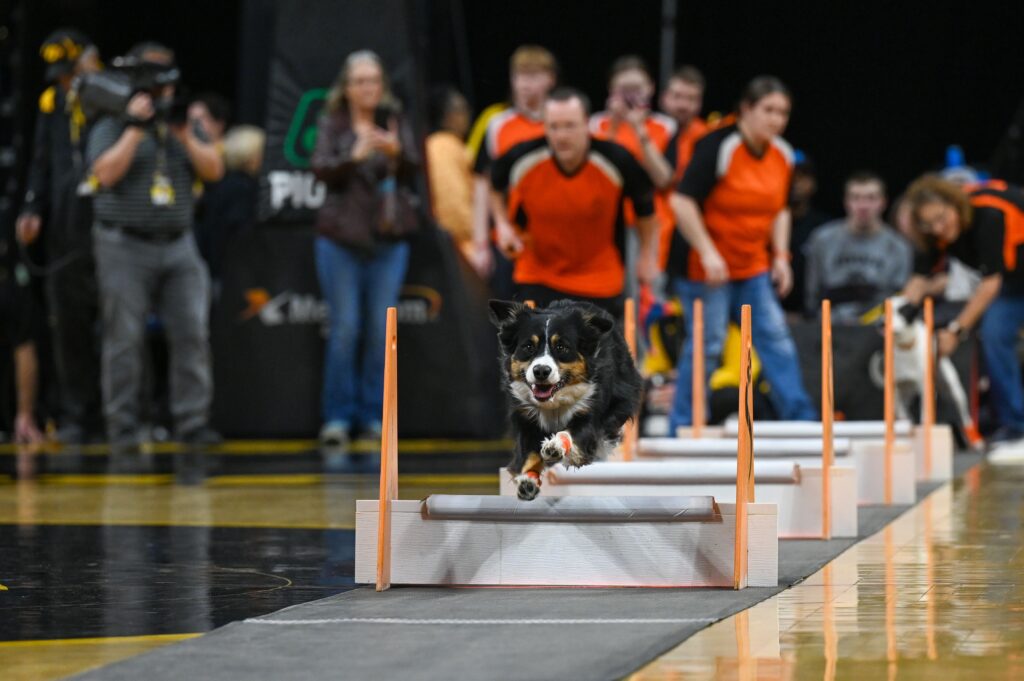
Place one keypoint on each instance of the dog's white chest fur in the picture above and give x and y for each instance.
(555, 414)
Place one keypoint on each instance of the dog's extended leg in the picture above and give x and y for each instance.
(585, 440)
(556, 447)
(528, 480)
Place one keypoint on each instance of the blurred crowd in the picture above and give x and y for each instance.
(545, 196)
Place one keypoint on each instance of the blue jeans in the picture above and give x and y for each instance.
(358, 290)
(769, 333)
(999, 327)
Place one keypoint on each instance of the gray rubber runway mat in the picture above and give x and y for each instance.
(508, 634)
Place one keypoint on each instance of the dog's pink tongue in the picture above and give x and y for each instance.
(543, 392)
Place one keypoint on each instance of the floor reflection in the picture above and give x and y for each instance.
(938, 594)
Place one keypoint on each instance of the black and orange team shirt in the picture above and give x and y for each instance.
(504, 131)
(740, 194)
(662, 130)
(678, 155)
(994, 242)
(572, 224)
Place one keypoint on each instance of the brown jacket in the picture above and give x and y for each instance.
(352, 210)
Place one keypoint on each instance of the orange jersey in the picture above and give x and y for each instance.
(504, 131)
(740, 195)
(661, 129)
(573, 228)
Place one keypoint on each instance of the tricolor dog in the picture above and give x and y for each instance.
(573, 385)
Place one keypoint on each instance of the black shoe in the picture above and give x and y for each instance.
(71, 435)
(203, 436)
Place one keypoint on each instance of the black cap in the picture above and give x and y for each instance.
(61, 50)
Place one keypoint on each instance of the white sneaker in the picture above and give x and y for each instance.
(334, 434)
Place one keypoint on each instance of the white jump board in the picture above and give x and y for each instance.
(618, 550)
(869, 457)
(942, 439)
(943, 448)
(794, 489)
(802, 429)
(671, 472)
(791, 447)
(552, 509)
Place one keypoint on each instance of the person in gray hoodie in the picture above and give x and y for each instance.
(856, 261)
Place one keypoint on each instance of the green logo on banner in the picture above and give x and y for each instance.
(301, 136)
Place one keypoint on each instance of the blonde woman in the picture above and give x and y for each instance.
(367, 158)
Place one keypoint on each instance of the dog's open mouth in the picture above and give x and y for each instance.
(542, 392)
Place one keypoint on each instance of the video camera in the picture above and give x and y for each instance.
(108, 92)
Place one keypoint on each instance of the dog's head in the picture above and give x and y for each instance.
(548, 354)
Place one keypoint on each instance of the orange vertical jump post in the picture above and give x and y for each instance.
(388, 452)
(889, 406)
(744, 454)
(699, 378)
(827, 413)
(631, 429)
(928, 389)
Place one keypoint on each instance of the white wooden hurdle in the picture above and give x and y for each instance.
(795, 488)
(567, 541)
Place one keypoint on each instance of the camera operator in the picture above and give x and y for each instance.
(55, 197)
(146, 256)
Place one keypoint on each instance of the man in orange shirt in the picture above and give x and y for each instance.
(564, 193)
(646, 134)
(533, 72)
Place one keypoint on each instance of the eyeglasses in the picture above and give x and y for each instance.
(936, 224)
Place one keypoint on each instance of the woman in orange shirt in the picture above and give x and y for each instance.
(731, 208)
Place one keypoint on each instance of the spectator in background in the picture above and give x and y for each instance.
(984, 228)
(366, 155)
(630, 122)
(212, 112)
(449, 167)
(16, 338)
(229, 206)
(57, 197)
(565, 192)
(806, 218)
(858, 261)
(146, 257)
(737, 255)
(682, 99)
(533, 71)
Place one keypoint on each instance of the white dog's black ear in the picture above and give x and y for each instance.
(503, 311)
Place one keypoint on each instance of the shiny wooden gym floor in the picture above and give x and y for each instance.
(96, 567)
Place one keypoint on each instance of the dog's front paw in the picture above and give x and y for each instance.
(556, 447)
(527, 486)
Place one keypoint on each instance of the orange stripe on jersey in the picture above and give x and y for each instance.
(508, 129)
(1013, 224)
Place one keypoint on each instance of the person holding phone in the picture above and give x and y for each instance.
(366, 156)
(630, 122)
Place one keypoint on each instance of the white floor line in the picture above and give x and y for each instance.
(403, 620)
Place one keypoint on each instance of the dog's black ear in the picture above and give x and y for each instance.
(504, 311)
(599, 320)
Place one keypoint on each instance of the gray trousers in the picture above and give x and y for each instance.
(135, 278)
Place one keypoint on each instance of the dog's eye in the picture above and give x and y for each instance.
(528, 346)
(561, 348)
